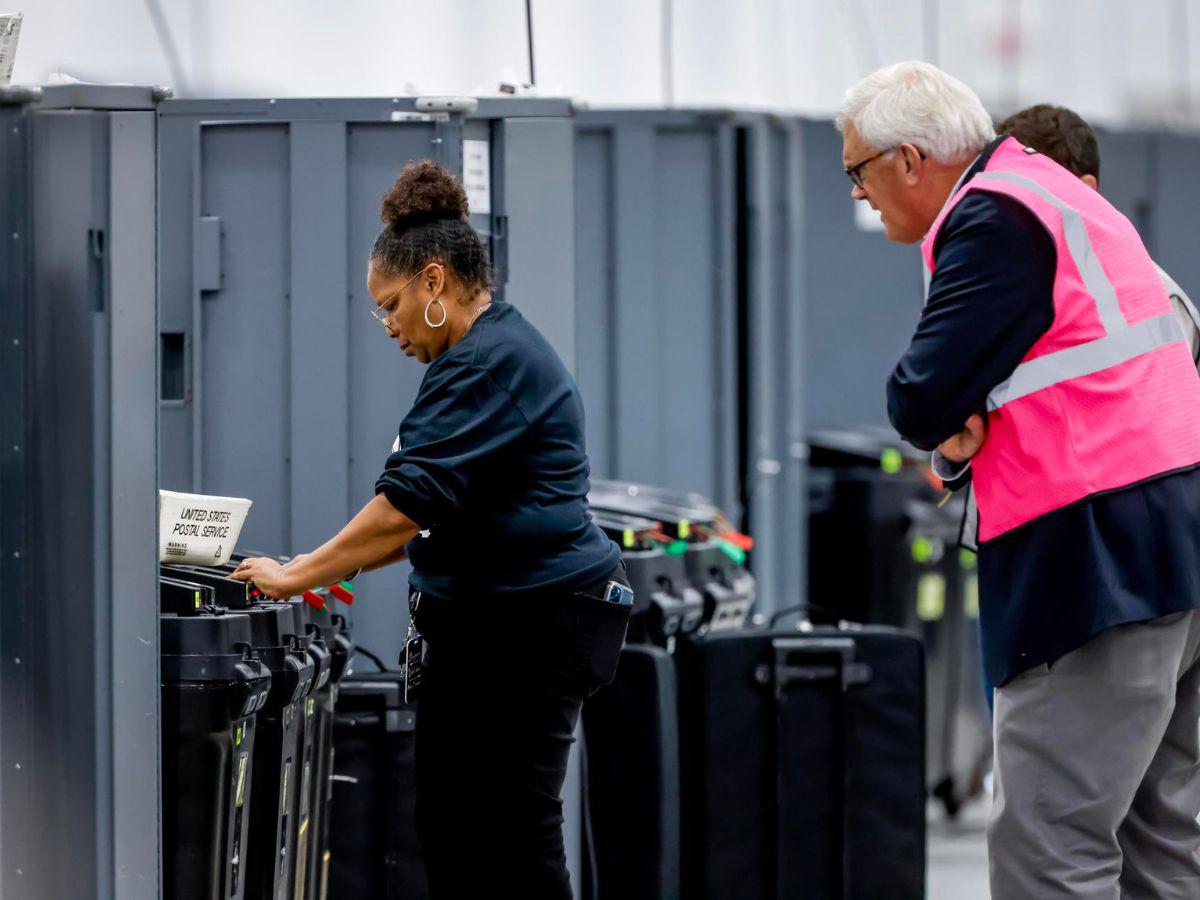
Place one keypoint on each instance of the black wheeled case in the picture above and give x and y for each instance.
(631, 733)
(803, 764)
(372, 835)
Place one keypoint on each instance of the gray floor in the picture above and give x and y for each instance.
(958, 854)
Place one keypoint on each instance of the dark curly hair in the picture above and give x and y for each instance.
(1060, 134)
(425, 219)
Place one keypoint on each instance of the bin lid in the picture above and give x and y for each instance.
(206, 633)
(230, 593)
(270, 625)
(183, 597)
(630, 532)
(865, 446)
(674, 517)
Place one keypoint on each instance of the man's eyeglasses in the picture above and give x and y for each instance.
(855, 172)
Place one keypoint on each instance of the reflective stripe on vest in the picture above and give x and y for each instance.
(1086, 359)
(1122, 341)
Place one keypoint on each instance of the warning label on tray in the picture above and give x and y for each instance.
(196, 528)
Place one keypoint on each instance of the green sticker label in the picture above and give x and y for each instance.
(922, 549)
(971, 597)
(891, 461)
(931, 597)
(627, 538)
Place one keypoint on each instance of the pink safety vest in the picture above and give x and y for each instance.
(1109, 395)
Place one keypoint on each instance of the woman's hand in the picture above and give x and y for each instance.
(268, 576)
(966, 443)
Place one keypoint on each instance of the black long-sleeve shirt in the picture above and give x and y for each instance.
(491, 462)
(1050, 586)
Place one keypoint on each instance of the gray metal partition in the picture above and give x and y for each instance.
(689, 319)
(862, 293)
(776, 473)
(80, 601)
(1172, 231)
(656, 293)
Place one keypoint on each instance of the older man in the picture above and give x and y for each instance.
(1048, 355)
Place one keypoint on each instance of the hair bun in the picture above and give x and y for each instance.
(424, 192)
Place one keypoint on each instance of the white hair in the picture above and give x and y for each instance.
(917, 103)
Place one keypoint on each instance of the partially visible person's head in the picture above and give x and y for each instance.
(1061, 134)
(429, 268)
(908, 132)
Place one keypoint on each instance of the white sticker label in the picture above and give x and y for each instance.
(477, 176)
(10, 30)
(865, 218)
(197, 529)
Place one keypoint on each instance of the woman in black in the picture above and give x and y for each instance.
(512, 583)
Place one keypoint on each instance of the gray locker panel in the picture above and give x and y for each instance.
(655, 287)
(241, 430)
(536, 196)
(15, 598)
(594, 311)
(777, 454)
(69, 465)
(1176, 201)
(1127, 177)
(863, 295)
(177, 183)
(319, 341)
(87, 775)
(383, 381)
(133, 508)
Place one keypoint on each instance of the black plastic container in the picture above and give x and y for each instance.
(882, 550)
(728, 591)
(373, 836)
(664, 602)
(284, 632)
(212, 687)
(336, 635)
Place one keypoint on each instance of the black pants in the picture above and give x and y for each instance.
(503, 687)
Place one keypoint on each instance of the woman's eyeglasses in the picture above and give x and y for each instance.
(382, 313)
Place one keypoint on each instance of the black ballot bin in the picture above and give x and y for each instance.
(330, 643)
(692, 527)
(631, 770)
(302, 799)
(373, 838)
(665, 604)
(213, 685)
(309, 792)
(883, 549)
(335, 634)
(278, 637)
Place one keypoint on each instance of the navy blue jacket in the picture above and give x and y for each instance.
(1047, 587)
(492, 464)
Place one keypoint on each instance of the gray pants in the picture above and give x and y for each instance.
(1097, 778)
